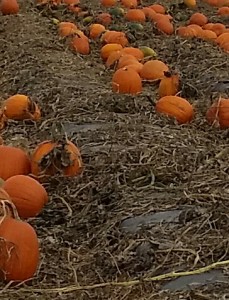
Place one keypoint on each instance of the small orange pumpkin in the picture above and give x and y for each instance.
(66, 28)
(9, 7)
(133, 51)
(126, 81)
(114, 37)
(149, 13)
(158, 8)
(208, 35)
(222, 38)
(190, 3)
(125, 60)
(19, 250)
(129, 3)
(14, 161)
(218, 113)
(197, 29)
(169, 85)
(223, 11)
(113, 58)
(186, 32)
(199, 19)
(80, 44)
(52, 157)
(21, 107)
(27, 194)
(153, 70)
(104, 19)
(135, 15)
(108, 3)
(137, 66)
(96, 30)
(107, 49)
(218, 28)
(176, 107)
(165, 26)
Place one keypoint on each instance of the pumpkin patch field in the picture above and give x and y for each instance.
(114, 177)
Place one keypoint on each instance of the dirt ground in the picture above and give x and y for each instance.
(136, 162)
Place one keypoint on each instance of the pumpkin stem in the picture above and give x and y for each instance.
(8, 209)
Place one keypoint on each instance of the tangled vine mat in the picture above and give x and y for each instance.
(136, 163)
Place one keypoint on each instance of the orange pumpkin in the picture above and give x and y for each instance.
(217, 114)
(135, 15)
(19, 250)
(208, 26)
(129, 3)
(113, 58)
(126, 60)
(104, 18)
(153, 70)
(133, 51)
(14, 161)
(107, 49)
(222, 38)
(126, 81)
(149, 13)
(158, 8)
(186, 32)
(53, 157)
(114, 37)
(208, 35)
(9, 7)
(66, 28)
(190, 3)
(96, 30)
(223, 11)
(169, 85)
(198, 30)
(108, 3)
(137, 66)
(165, 26)
(27, 194)
(199, 19)
(176, 107)
(218, 28)
(75, 10)
(80, 44)
(21, 107)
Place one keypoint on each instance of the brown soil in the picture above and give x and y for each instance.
(136, 162)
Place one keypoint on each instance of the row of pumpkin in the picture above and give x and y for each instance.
(22, 194)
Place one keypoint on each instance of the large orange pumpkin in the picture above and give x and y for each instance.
(27, 194)
(176, 107)
(53, 157)
(114, 37)
(66, 28)
(107, 49)
(126, 81)
(153, 70)
(21, 107)
(14, 161)
(80, 43)
(19, 256)
(9, 7)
